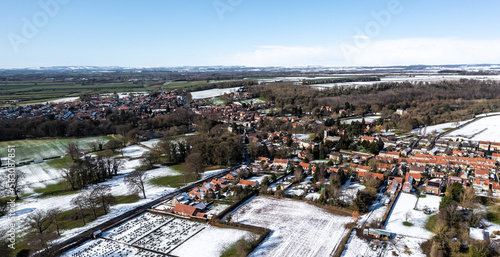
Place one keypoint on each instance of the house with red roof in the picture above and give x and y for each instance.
(433, 186)
(495, 188)
(251, 183)
(281, 163)
(481, 184)
(480, 173)
(185, 210)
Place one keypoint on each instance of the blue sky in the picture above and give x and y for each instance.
(247, 32)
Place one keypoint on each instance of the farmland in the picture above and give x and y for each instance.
(39, 92)
(292, 233)
(32, 149)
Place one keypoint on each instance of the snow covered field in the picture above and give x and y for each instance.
(402, 246)
(162, 234)
(439, 128)
(212, 92)
(405, 203)
(65, 99)
(32, 149)
(485, 129)
(39, 175)
(211, 241)
(298, 228)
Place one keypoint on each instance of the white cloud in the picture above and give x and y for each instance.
(428, 51)
(284, 56)
(377, 52)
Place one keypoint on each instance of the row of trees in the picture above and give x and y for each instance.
(90, 170)
(88, 202)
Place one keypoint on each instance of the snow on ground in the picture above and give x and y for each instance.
(134, 151)
(376, 211)
(313, 196)
(66, 99)
(485, 129)
(301, 136)
(439, 128)
(215, 209)
(150, 143)
(284, 182)
(298, 228)
(350, 189)
(213, 92)
(32, 149)
(105, 248)
(209, 173)
(367, 118)
(210, 242)
(42, 174)
(258, 178)
(163, 234)
(406, 202)
(295, 191)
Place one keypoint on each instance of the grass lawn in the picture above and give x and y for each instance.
(61, 162)
(121, 199)
(54, 190)
(171, 181)
(178, 167)
(408, 224)
(431, 223)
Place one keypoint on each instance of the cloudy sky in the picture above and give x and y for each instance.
(247, 32)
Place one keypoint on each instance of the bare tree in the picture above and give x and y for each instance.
(93, 145)
(194, 164)
(72, 149)
(79, 202)
(408, 215)
(11, 182)
(54, 213)
(469, 198)
(70, 176)
(39, 220)
(91, 202)
(135, 181)
(298, 173)
(150, 158)
(103, 194)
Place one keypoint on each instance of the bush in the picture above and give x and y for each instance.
(408, 224)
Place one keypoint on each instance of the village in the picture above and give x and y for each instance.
(332, 160)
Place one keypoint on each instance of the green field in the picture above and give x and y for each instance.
(57, 189)
(40, 92)
(32, 149)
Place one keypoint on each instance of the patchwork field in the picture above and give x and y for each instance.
(298, 228)
(41, 92)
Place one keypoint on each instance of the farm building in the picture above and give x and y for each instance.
(377, 233)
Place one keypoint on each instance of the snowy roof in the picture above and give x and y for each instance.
(476, 233)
